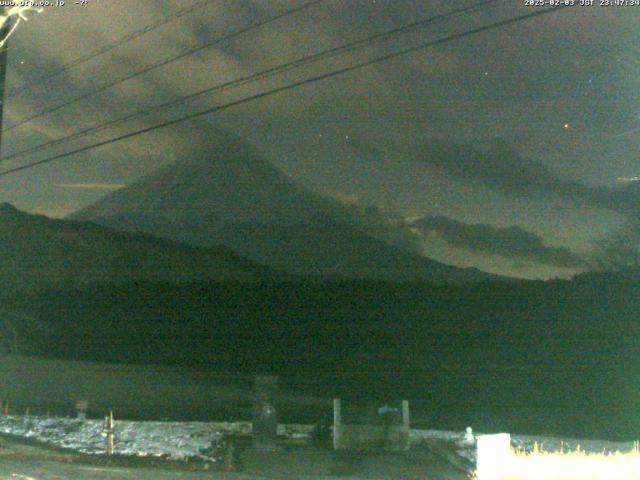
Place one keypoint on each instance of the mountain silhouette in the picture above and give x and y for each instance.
(228, 194)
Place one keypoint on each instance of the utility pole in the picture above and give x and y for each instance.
(9, 23)
(9, 19)
(3, 76)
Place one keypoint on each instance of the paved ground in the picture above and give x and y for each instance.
(12, 469)
(51, 470)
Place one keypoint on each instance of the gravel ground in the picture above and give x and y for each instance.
(159, 439)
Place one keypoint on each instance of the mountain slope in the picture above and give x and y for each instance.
(226, 179)
(37, 252)
(227, 194)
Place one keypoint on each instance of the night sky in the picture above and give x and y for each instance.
(557, 97)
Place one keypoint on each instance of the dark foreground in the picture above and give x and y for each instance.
(554, 358)
(19, 461)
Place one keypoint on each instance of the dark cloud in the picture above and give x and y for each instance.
(512, 242)
(500, 167)
(625, 199)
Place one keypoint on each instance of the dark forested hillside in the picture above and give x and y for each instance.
(39, 253)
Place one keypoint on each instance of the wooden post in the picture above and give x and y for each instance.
(229, 454)
(337, 424)
(108, 428)
(265, 418)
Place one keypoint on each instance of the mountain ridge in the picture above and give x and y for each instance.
(229, 194)
(38, 252)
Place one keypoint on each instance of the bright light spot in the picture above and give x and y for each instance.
(90, 186)
(494, 453)
(629, 179)
(566, 126)
(495, 462)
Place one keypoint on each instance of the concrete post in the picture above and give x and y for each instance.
(405, 429)
(337, 424)
(406, 422)
(265, 419)
(81, 409)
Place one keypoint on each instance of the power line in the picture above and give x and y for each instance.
(330, 53)
(163, 63)
(290, 86)
(42, 80)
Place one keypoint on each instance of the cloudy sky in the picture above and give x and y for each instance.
(542, 117)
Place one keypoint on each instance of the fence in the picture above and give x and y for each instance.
(138, 392)
(532, 402)
(389, 432)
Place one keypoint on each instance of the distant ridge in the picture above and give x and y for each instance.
(37, 252)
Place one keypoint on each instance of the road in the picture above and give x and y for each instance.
(21, 469)
(28, 469)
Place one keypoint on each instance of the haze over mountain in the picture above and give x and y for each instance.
(228, 194)
(40, 253)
